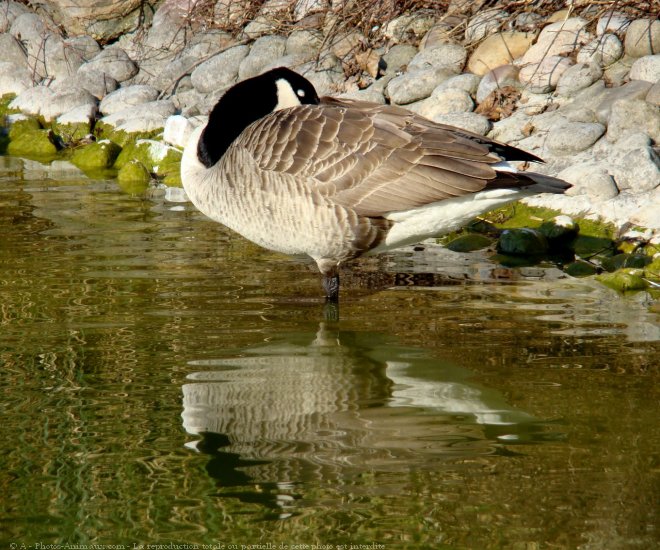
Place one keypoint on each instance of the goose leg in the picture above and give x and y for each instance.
(331, 287)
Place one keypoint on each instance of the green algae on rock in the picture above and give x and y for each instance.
(96, 156)
(22, 125)
(133, 177)
(522, 241)
(469, 242)
(158, 158)
(34, 144)
(624, 279)
(580, 268)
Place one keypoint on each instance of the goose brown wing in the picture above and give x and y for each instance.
(373, 158)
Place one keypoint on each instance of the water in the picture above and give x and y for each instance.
(166, 382)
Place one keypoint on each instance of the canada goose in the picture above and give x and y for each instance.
(336, 179)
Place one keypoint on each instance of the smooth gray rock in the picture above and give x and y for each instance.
(367, 94)
(558, 39)
(401, 28)
(653, 95)
(33, 34)
(261, 25)
(262, 53)
(578, 77)
(411, 87)
(591, 179)
(114, 62)
(472, 122)
(304, 43)
(604, 51)
(646, 68)
(634, 164)
(632, 90)
(32, 100)
(9, 11)
(177, 131)
(302, 8)
(64, 101)
(329, 81)
(398, 56)
(96, 82)
(510, 130)
(84, 46)
(141, 118)
(448, 100)
(631, 116)
(220, 71)
(484, 23)
(450, 57)
(617, 73)
(505, 75)
(642, 38)
(572, 137)
(612, 21)
(14, 79)
(467, 82)
(127, 97)
(61, 59)
(12, 52)
(543, 77)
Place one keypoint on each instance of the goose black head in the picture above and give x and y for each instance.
(248, 101)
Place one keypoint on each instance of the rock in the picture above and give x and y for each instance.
(612, 21)
(522, 241)
(414, 25)
(646, 68)
(96, 82)
(604, 51)
(619, 261)
(220, 71)
(472, 122)
(580, 268)
(135, 174)
(632, 90)
(32, 100)
(368, 94)
(261, 25)
(466, 82)
(172, 22)
(114, 62)
(511, 129)
(653, 95)
(145, 118)
(485, 23)
(624, 279)
(157, 157)
(617, 73)
(20, 124)
(591, 179)
(75, 124)
(304, 44)
(302, 8)
(439, 33)
(397, 57)
(505, 75)
(127, 97)
(469, 243)
(33, 33)
(38, 144)
(84, 46)
(263, 51)
(230, 13)
(61, 59)
(410, 87)
(633, 115)
(449, 57)
(449, 100)
(9, 12)
(578, 77)
(543, 77)
(499, 49)
(642, 38)
(572, 137)
(61, 102)
(12, 51)
(177, 131)
(13, 79)
(95, 156)
(528, 21)
(327, 81)
(560, 38)
(634, 164)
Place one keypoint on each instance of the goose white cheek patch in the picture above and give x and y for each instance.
(286, 96)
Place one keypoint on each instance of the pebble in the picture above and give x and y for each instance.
(591, 179)
(642, 38)
(485, 23)
(604, 50)
(497, 50)
(113, 62)
(572, 137)
(578, 77)
(450, 57)
(505, 75)
(646, 68)
(633, 115)
(543, 77)
(220, 71)
(127, 97)
(411, 87)
(612, 21)
(560, 38)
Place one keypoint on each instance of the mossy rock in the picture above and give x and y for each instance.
(625, 260)
(133, 177)
(74, 131)
(580, 268)
(160, 159)
(37, 144)
(22, 125)
(5, 100)
(523, 241)
(469, 242)
(95, 156)
(624, 279)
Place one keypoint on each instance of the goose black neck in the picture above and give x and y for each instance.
(236, 110)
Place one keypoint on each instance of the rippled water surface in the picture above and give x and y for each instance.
(166, 382)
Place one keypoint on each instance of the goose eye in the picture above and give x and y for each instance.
(301, 93)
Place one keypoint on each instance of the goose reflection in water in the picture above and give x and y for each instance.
(327, 406)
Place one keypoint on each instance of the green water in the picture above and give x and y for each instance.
(166, 382)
